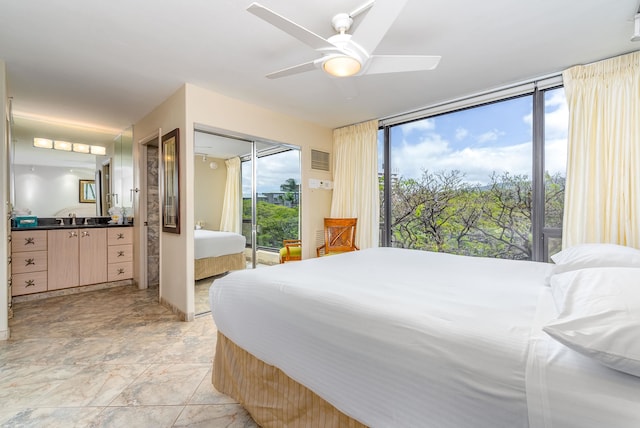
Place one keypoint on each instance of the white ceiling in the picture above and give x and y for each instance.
(109, 63)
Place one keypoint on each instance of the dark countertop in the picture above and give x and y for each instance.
(47, 223)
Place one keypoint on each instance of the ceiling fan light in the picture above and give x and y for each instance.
(342, 66)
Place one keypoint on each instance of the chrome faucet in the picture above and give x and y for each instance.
(73, 218)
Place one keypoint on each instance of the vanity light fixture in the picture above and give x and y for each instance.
(62, 145)
(43, 143)
(98, 150)
(81, 148)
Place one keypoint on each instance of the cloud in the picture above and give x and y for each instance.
(556, 119)
(489, 136)
(461, 133)
(418, 125)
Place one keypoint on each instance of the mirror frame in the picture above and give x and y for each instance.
(171, 182)
(83, 189)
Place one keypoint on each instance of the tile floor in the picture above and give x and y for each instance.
(110, 358)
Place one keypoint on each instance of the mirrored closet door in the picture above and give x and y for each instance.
(247, 187)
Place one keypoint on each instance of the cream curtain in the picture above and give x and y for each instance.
(602, 198)
(355, 190)
(232, 204)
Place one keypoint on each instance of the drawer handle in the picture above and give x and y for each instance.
(120, 236)
(29, 283)
(120, 271)
(120, 253)
(28, 262)
(73, 234)
(29, 241)
(85, 233)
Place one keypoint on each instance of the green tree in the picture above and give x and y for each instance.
(291, 189)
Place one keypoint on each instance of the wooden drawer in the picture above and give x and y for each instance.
(118, 271)
(32, 261)
(27, 283)
(28, 240)
(119, 235)
(119, 253)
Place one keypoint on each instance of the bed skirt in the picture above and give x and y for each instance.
(211, 266)
(270, 396)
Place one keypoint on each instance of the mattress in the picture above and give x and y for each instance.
(395, 337)
(212, 243)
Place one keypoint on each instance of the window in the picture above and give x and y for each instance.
(487, 180)
(277, 190)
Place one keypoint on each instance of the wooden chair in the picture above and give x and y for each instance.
(291, 251)
(339, 236)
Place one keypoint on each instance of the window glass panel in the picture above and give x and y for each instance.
(461, 182)
(556, 119)
(278, 198)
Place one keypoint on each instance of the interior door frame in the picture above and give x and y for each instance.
(141, 214)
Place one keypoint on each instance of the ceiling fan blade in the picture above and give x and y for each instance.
(305, 36)
(361, 9)
(296, 69)
(377, 22)
(381, 64)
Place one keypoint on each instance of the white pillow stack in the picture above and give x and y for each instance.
(596, 288)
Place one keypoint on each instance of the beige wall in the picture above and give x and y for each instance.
(209, 192)
(174, 251)
(191, 106)
(4, 186)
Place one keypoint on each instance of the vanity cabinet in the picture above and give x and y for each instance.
(45, 260)
(28, 262)
(77, 257)
(120, 253)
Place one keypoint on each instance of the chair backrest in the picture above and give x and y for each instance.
(340, 234)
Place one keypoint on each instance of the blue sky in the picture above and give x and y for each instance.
(496, 137)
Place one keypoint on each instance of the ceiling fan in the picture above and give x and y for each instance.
(345, 54)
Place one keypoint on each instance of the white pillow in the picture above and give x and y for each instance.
(594, 255)
(600, 315)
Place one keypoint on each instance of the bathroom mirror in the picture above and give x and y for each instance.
(46, 180)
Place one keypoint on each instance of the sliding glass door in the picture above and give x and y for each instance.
(271, 199)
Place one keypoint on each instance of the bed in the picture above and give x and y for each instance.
(392, 338)
(217, 252)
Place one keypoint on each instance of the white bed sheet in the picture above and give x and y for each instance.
(213, 243)
(391, 337)
(569, 390)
